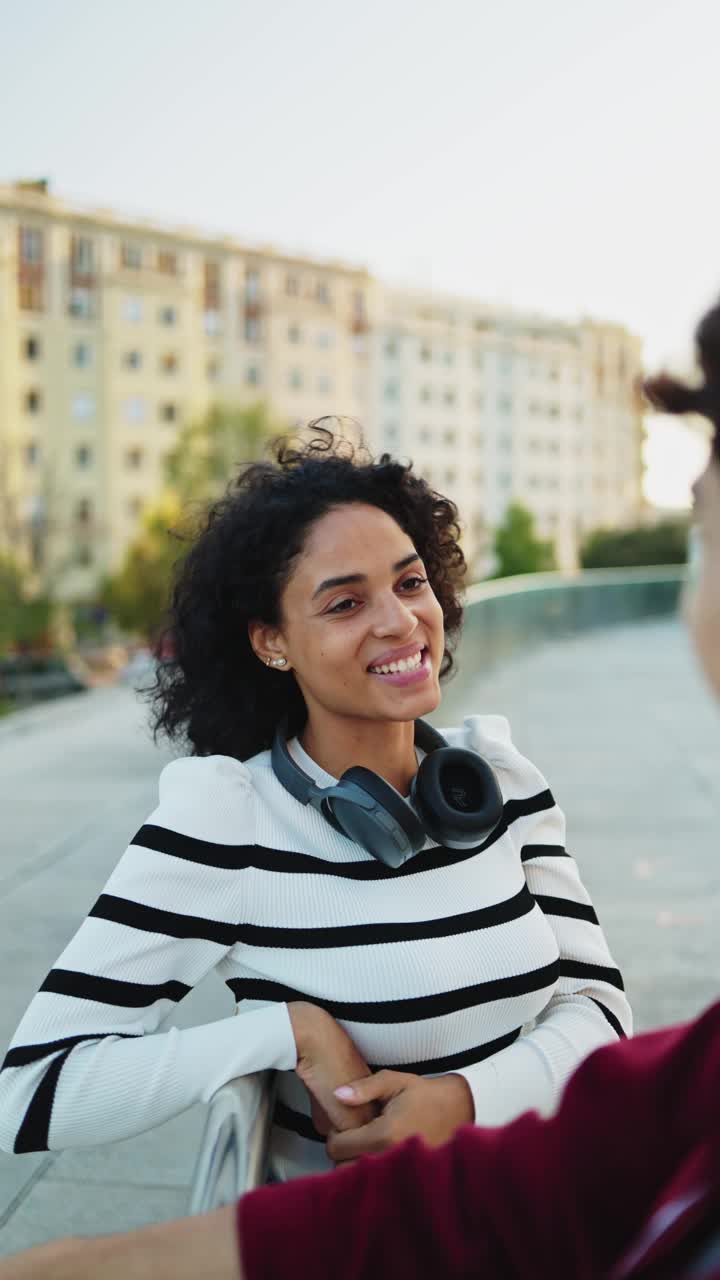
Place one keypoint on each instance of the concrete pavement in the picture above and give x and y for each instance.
(619, 722)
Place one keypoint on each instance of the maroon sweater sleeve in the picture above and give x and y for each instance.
(563, 1196)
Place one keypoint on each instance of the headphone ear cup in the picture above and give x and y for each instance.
(389, 828)
(457, 797)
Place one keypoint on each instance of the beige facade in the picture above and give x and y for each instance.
(114, 333)
(496, 405)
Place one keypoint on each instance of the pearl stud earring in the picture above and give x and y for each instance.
(276, 662)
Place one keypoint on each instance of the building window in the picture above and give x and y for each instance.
(554, 410)
(211, 285)
(33, 401)
(425, 395)
(130, 255)
(135, 507)
(168, 315)
(294, 334)
(83, 555)
(31, 295)
(134, 409)
(505, 444)
(391, 390)
(425, 435)
(504, 479)
(212, 323)
(32, 453)
(133, 459)
(295, 379)
(449, 436)
(450, 475)
(252, 284)
(391, 348)
(252, 375)
(425, 353)
(252, 329)
(322, 292)
(212, 370)
(83, 511)
(478, 440)
(82, 405)
(31, 246)
(324, 384)
(81, 355)
(132, 360)
(168, 412)
(167, 262)
(504, 404)
(169, 363)
(133, 310)
(81, 303)
(83, 456)
(31, 347)
(292, 285)
(449, 357)
(449, 396)
(325, 338)
(82, 256)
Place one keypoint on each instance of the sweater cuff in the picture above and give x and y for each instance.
(511, 1082)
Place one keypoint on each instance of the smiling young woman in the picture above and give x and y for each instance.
(373, 896)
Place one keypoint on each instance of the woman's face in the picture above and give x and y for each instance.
(358, 602)
(702, 606)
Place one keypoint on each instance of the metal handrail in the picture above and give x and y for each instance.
(233, 1156)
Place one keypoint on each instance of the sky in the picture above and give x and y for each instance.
(555, 154)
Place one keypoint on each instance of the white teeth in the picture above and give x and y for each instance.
(405, 664)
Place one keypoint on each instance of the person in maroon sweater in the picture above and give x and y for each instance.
(623, 1181)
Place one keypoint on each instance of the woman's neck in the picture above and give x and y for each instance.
(385, 747)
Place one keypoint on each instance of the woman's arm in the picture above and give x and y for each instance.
(82, 1068)
(588, 1008)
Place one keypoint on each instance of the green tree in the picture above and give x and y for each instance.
(662, 543)
(207, 453)
(137, 595)
(516, 546)
(209, 450)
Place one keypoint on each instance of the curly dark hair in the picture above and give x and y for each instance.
(214, 695)
(673, 396)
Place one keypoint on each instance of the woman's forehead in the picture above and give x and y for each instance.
(352, 527)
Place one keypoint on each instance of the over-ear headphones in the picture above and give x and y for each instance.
(455, 799)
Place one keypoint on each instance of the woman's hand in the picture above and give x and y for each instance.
(412, 1106)
(328, 1058)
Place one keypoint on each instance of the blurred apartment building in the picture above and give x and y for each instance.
(496, 406)
(116, 332)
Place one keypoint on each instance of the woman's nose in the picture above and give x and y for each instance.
(393, 617)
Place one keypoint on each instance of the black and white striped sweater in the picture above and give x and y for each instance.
(433, 968)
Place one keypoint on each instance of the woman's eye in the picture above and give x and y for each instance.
(343, 606)
(411, 584)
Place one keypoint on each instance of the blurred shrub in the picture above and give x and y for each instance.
(517, 549)
(24, 622)
(662, 543)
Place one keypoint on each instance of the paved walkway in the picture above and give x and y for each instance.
(618, 720)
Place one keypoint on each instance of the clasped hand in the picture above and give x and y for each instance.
(360, 1113)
